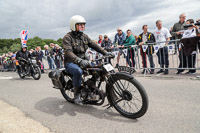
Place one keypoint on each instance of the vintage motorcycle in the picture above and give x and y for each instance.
(122, 90)
(30, 68)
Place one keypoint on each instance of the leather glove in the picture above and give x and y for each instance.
(112, 55)
(84, 63)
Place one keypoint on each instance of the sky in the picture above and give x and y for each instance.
(49, 19)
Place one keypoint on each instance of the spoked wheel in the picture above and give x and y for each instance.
(67, 90)
(37, 74)
(128, 97)
(19, 71)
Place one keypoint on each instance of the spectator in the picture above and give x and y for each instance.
(39, 56)
(146, 37)
(100, 39)
(191, 32)
(177, 32)
(52, 52)
(2, 62)
(31, 51)
(58, 56)
(107, 45)
(198, 21)
(48, 55)
(161, 35)
(136, 39)
(130, 40)
(34, 52)
(178, 29)
(13, 58)
(98, 43)
(119, 39)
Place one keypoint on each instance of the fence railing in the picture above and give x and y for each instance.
(156, 55)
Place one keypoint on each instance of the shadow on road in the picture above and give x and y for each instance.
(26, 78)
(58, 107)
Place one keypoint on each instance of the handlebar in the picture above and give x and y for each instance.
(19, 58)
(104, 57)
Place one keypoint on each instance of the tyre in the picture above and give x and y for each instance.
(37, 73)
(67, 90)
(19, 71)
(127, 96)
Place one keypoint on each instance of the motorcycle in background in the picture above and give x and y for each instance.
(30, 68)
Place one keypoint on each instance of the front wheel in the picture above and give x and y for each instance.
(127, 96)
(37, 73)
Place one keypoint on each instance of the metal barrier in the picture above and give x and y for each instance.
(7, 65)
(170, 56)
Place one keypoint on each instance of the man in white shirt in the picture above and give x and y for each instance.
(161, 35)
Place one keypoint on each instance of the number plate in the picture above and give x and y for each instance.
(108, 67)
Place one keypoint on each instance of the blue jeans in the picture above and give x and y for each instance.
(76, 73)
(51, 63)
(163, 57)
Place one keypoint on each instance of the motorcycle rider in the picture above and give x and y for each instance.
(23, 54)
(75, 44)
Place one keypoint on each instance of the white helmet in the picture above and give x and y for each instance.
(75, 20)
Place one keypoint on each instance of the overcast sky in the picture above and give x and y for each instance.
(50, 18)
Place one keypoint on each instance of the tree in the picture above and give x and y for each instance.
(59, 41)
(5, 50)
(15, 47)
(14, 44)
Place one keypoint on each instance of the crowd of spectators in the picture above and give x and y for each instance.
(53, 55)
(160, 36)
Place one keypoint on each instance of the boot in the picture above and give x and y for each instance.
(166, 70)
(144, 70)
(77, 96)
(152, 71)
(161, 70)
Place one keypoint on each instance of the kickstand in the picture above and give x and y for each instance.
(109, 106)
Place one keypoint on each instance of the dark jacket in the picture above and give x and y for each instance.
(58, 54)
(39, 55)
(150, 39)
(177, 27)
(190, 45)
(21, 54)
(47, 53)
(52, 51)
(75, 45)
(106, 44)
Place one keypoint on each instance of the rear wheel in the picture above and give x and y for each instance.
(128, 97)
(67, 90)
(19, 71)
